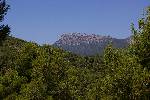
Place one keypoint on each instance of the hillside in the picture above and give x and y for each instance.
(92, 70)
(28, 67)
(85, 44)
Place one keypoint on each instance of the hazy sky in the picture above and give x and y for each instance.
(43, 21)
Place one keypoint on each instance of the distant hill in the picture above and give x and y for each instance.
(88, 44)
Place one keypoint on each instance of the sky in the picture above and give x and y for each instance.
(43, 21)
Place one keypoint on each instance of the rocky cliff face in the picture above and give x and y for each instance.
(78, 38)
(88, 44)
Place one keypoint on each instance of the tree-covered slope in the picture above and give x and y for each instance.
(29, 71)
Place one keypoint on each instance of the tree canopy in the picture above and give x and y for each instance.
(29, 71)
(4, 29)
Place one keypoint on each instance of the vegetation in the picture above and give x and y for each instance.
(4, 29)
(29, 71)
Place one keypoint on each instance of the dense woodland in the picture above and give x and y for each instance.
(29, 71)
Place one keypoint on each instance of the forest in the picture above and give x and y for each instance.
(29, 71)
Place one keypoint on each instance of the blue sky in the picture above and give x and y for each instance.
(43, 21)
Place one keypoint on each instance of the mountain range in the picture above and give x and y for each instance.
(88, 44)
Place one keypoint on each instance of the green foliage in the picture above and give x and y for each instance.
(125, 76)
(141, 40)
(29, 71)
(4, 30)
(128, 69)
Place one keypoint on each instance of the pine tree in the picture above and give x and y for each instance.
(4, 29)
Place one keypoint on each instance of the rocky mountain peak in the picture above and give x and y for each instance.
(88, 44)
(77, 38)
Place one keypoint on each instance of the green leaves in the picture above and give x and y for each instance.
(30, 71)
(4, 30)
(141, 40)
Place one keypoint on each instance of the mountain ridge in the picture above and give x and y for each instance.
(88, 44)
